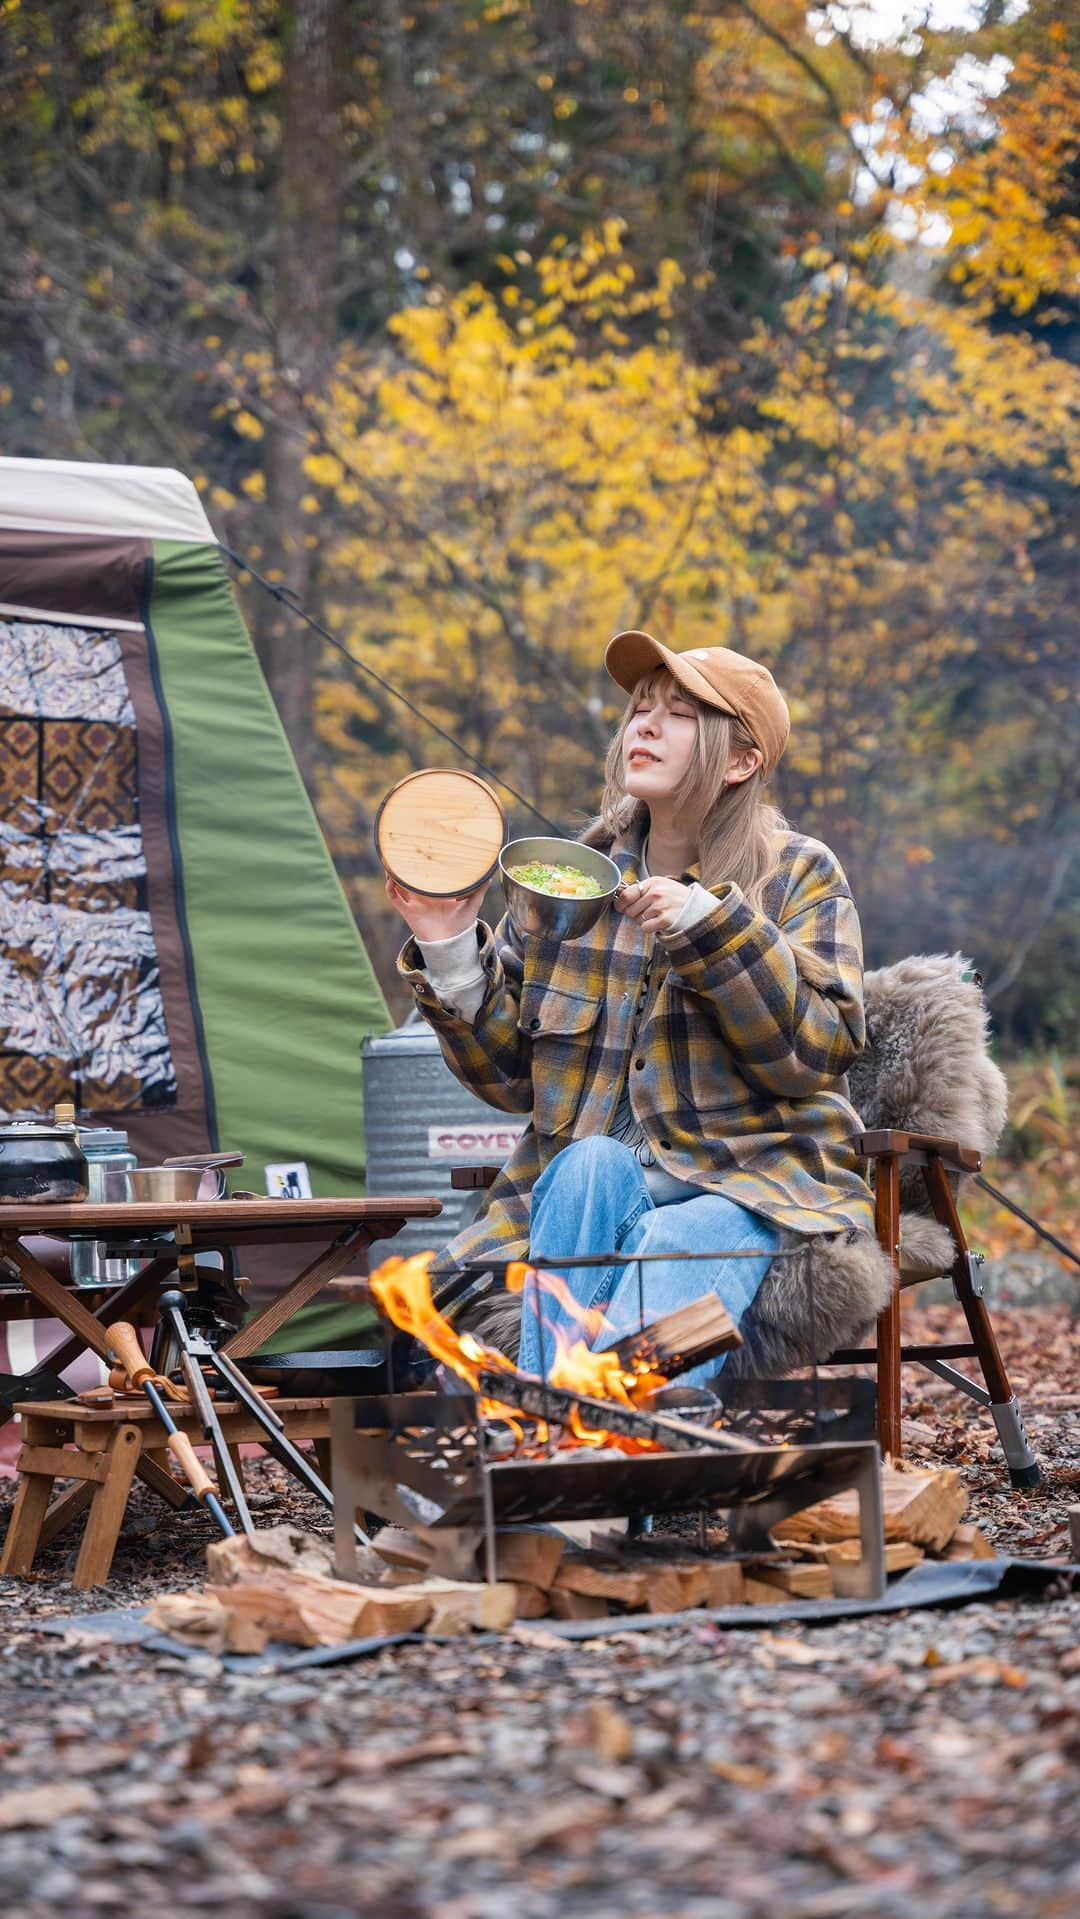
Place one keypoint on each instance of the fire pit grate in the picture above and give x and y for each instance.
(425, 1461)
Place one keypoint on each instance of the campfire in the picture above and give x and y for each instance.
(480, 1489)
(563, 1404)
(480, 1494)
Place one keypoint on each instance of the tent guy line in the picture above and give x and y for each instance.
(287, 597)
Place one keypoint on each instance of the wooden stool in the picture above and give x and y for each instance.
(103, 1449)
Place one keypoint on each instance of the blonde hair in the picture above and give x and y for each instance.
(740, 834)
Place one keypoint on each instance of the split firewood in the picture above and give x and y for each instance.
(575, 1605)
(282, 1550)
(528, 1555)
(313, 1612)
(678, 1341)
(925, 1508)
(702, 1582)
(677, 1588)
(398, 1547)
(900, 1554)
(457, 1606)
(593, 1577)
(968, 1542)
(757, 1593)
(795, 1581)
(725, 1583)
(195, 1618)
(244, 1635)
(532, 1601)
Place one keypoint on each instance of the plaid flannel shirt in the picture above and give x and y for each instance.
(737, 1069)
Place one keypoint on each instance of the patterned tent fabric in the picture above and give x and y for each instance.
(81, 1013)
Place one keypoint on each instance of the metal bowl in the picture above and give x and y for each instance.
(161, 1183)
(546, 913)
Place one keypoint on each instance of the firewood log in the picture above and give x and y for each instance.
(313, 1612)
(575, 1605)
(401, 1548)
(757, 1593)
(676, 1588)
(528, 1555)
(595, 1578)
(678, 1341)
(725, 1583)
(532, 1602)
(900, 1554)
(925, 1508)
(196, 1619)
(968, 1542)
(796, 1581)
(457, 1606)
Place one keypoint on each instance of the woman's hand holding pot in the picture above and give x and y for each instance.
(654, 903)
(430, 919)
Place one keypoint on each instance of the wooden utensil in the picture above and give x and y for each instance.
(438, 832)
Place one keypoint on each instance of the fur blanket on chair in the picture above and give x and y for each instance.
(925, 1069)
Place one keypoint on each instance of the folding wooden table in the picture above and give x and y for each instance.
(168, 1236)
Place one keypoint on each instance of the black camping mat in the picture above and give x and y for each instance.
(931, 1583)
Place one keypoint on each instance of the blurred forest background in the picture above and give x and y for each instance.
(487, 327)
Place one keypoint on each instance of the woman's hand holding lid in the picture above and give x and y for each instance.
(431, 919)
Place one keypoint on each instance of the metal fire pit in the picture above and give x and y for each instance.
(426, 1461)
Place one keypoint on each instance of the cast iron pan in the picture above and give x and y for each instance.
(320, 1375)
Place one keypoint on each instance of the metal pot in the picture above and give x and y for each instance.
(549, 914)
(175, 1179)
(41, 1165)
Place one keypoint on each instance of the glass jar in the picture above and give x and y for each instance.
(106, 1150)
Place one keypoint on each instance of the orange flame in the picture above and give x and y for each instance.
(402, 1289)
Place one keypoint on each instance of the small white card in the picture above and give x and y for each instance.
(289, 1179)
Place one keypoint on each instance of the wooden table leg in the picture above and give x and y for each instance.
(238, 1464)
(120, 1306)
(107, 1510)
(160, 1481)
(61, 1301)
(27, 1520)
(304, 1287)
(65, 1509)
(33, 1495)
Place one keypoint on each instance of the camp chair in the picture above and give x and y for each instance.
(933, 1102)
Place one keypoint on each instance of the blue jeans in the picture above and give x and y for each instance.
(593, 1198)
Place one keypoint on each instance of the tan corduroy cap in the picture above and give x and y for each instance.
(715, 675)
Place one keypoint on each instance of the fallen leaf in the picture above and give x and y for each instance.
(42, 1805)
(609, 1733)
(737, 1775)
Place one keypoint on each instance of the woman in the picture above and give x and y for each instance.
(683, 1063)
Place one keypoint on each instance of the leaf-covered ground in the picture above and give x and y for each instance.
(921, 1761)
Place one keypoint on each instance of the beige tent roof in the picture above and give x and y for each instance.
(68, 496)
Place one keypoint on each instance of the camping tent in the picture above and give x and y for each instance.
(176, 952)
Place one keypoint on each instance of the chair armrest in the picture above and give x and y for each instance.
(467, 1179)
(918, 1149)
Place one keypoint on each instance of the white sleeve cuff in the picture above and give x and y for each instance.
(699, 905)
(454, 969)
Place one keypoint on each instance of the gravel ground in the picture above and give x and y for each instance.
(923, 1759)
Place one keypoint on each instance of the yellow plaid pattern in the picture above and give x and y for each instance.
(737, 1070)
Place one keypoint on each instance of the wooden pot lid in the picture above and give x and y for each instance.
(439, 832)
